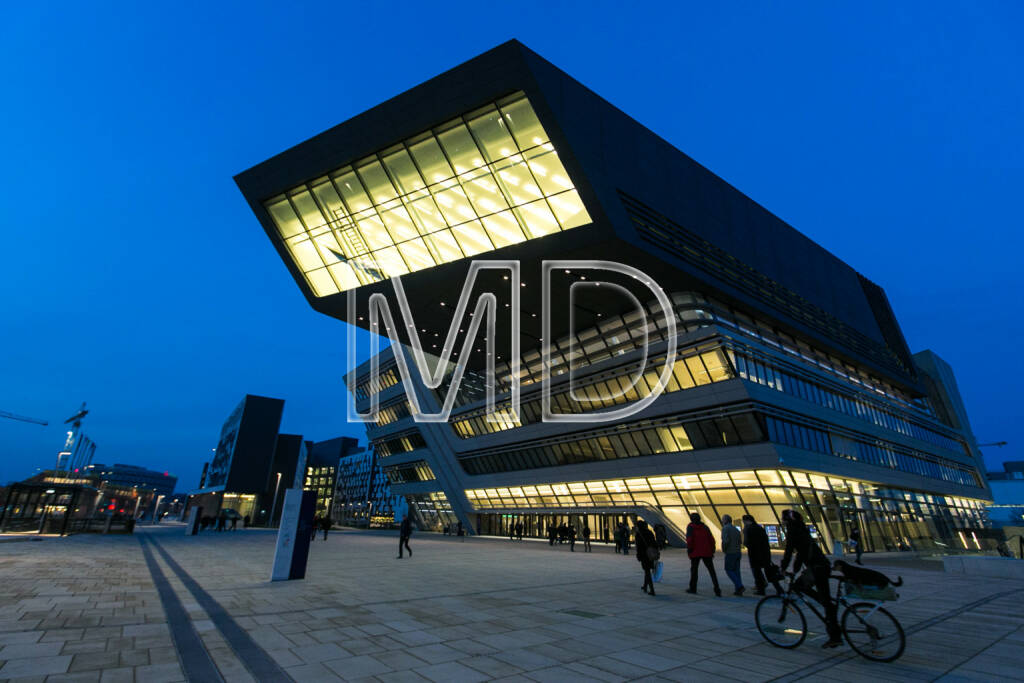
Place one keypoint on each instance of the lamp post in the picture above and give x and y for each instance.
(273, 508)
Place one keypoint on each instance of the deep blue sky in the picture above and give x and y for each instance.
(135, 277)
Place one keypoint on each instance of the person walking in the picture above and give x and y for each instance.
(234, 523)
(700, 546)
(625, 539)
(759, 552)
(325, 524)
(806, 552)
(617, 534)
(511, 531)
(552, 533)
(661, 536)
(519, 531)
(459, 531)
(404, 532)
(247, 520)
(855, 541)
(586, 537)
(732, 548)
(314, 527)
(647, 554)
(222, 521)
(571, 533)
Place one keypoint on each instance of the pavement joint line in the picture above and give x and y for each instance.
(195, 660)
(839, 658)
(260, 664)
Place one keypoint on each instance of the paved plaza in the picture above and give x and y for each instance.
(160, 606)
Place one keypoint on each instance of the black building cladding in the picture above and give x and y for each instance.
(794, 386)
(249, 460)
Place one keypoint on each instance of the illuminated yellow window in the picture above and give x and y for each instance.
(471, 185)
(472, 238)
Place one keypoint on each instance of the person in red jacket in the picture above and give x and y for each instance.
(700, 546)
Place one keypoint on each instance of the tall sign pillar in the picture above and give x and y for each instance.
(293, 535)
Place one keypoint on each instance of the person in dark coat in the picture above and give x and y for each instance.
(759, 552)
(647, 554)
(625, 538)
(700, 546)
(325, 524)
(404, 532)
(586, 537)
(571, 533)
(855, 541)
(552, 534)
(805, 552)
(519, 531)
(618, 539)
(661, 536)
(314, 527)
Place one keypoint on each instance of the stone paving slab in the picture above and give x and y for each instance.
(87, 608)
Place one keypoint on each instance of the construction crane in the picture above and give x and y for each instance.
(22, 418)
(77, 417)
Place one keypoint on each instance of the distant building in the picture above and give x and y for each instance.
(67, 502)
(321, 469)
(1007, 508)
(129, 476)
(364, 497)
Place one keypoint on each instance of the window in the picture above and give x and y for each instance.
(469, 186)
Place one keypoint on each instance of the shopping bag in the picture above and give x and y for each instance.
(659, 569)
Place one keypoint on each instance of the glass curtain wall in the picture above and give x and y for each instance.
(480, 182)
(889, 519)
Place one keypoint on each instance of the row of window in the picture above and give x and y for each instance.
(756, 370)
(878, 453)
(410, 472)
(888, 518)
(375, 385)
(615, 336)
(621, 334)
(697, 370)
(471, 185)
(613, 443)
(399, 444)
(666, 234)
(392, 413)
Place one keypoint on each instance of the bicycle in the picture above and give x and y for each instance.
(870, 630)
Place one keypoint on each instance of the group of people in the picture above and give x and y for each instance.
(455, 530)
(804, 552)
(221, 522)
(563, 533)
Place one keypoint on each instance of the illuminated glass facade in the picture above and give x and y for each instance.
(890, 519)
(793, 387)
(476, 183)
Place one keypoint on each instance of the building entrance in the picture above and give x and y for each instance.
(537, 525)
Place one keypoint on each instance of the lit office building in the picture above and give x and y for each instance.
(792, 385)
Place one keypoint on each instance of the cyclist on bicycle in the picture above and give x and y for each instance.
(808, 554)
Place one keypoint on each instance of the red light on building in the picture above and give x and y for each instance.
(110, 507)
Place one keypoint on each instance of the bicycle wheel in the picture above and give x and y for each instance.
(872, 632)
(781, 621)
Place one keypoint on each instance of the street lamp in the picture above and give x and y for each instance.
(273, 508)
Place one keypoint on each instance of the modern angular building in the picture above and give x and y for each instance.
(253, 465)
(793, 386)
